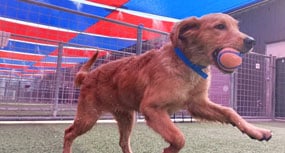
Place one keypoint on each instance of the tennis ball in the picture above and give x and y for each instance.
(229, 59)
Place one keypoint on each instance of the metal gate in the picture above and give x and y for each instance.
(253, 84)
(280, 88)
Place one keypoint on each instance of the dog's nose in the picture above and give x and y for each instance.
(248, 42)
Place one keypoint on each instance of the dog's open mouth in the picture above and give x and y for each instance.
(227, 59)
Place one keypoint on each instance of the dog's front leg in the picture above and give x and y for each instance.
(159, 120)
(205, 109)
(125, 120)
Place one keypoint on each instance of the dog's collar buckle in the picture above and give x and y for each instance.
(195, 67)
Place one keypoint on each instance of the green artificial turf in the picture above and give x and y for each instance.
(103, 138)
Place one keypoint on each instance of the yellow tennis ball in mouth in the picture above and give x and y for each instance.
(229, 59)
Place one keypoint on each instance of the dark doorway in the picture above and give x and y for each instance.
(280, 88)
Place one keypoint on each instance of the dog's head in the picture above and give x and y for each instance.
(201, 39)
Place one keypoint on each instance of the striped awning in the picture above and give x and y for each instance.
(26, 55)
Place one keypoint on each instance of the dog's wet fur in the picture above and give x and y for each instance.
(158, 83)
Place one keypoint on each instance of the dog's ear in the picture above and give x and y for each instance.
(176, 35)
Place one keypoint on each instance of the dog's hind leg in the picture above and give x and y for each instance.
(125, 121)
(85, 118)
(205, 109)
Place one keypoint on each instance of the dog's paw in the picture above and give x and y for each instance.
(264, 138)
(260, 134)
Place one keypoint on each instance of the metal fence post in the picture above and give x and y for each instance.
(139, 49)
(273, 86)
(57, 79)
(233, 96)
(139, 39)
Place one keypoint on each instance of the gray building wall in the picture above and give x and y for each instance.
(266, 23)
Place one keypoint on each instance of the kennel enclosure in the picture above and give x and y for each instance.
(45, 44)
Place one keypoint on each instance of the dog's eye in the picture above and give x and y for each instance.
(220, 26)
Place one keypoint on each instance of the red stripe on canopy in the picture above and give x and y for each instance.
(32, 31)
(115, 3)
(20, 56)
(11, 66)
(78, 52)
(103, 27)
(54, 65)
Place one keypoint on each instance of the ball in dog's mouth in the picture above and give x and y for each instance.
(227, 59)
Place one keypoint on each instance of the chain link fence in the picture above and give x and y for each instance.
(49, 92)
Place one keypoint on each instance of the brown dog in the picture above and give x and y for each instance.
(159, 83)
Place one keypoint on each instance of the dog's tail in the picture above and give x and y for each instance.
(84, 70)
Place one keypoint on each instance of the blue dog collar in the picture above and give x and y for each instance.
(195, 67)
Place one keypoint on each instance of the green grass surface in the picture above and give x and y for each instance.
(103, 138)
